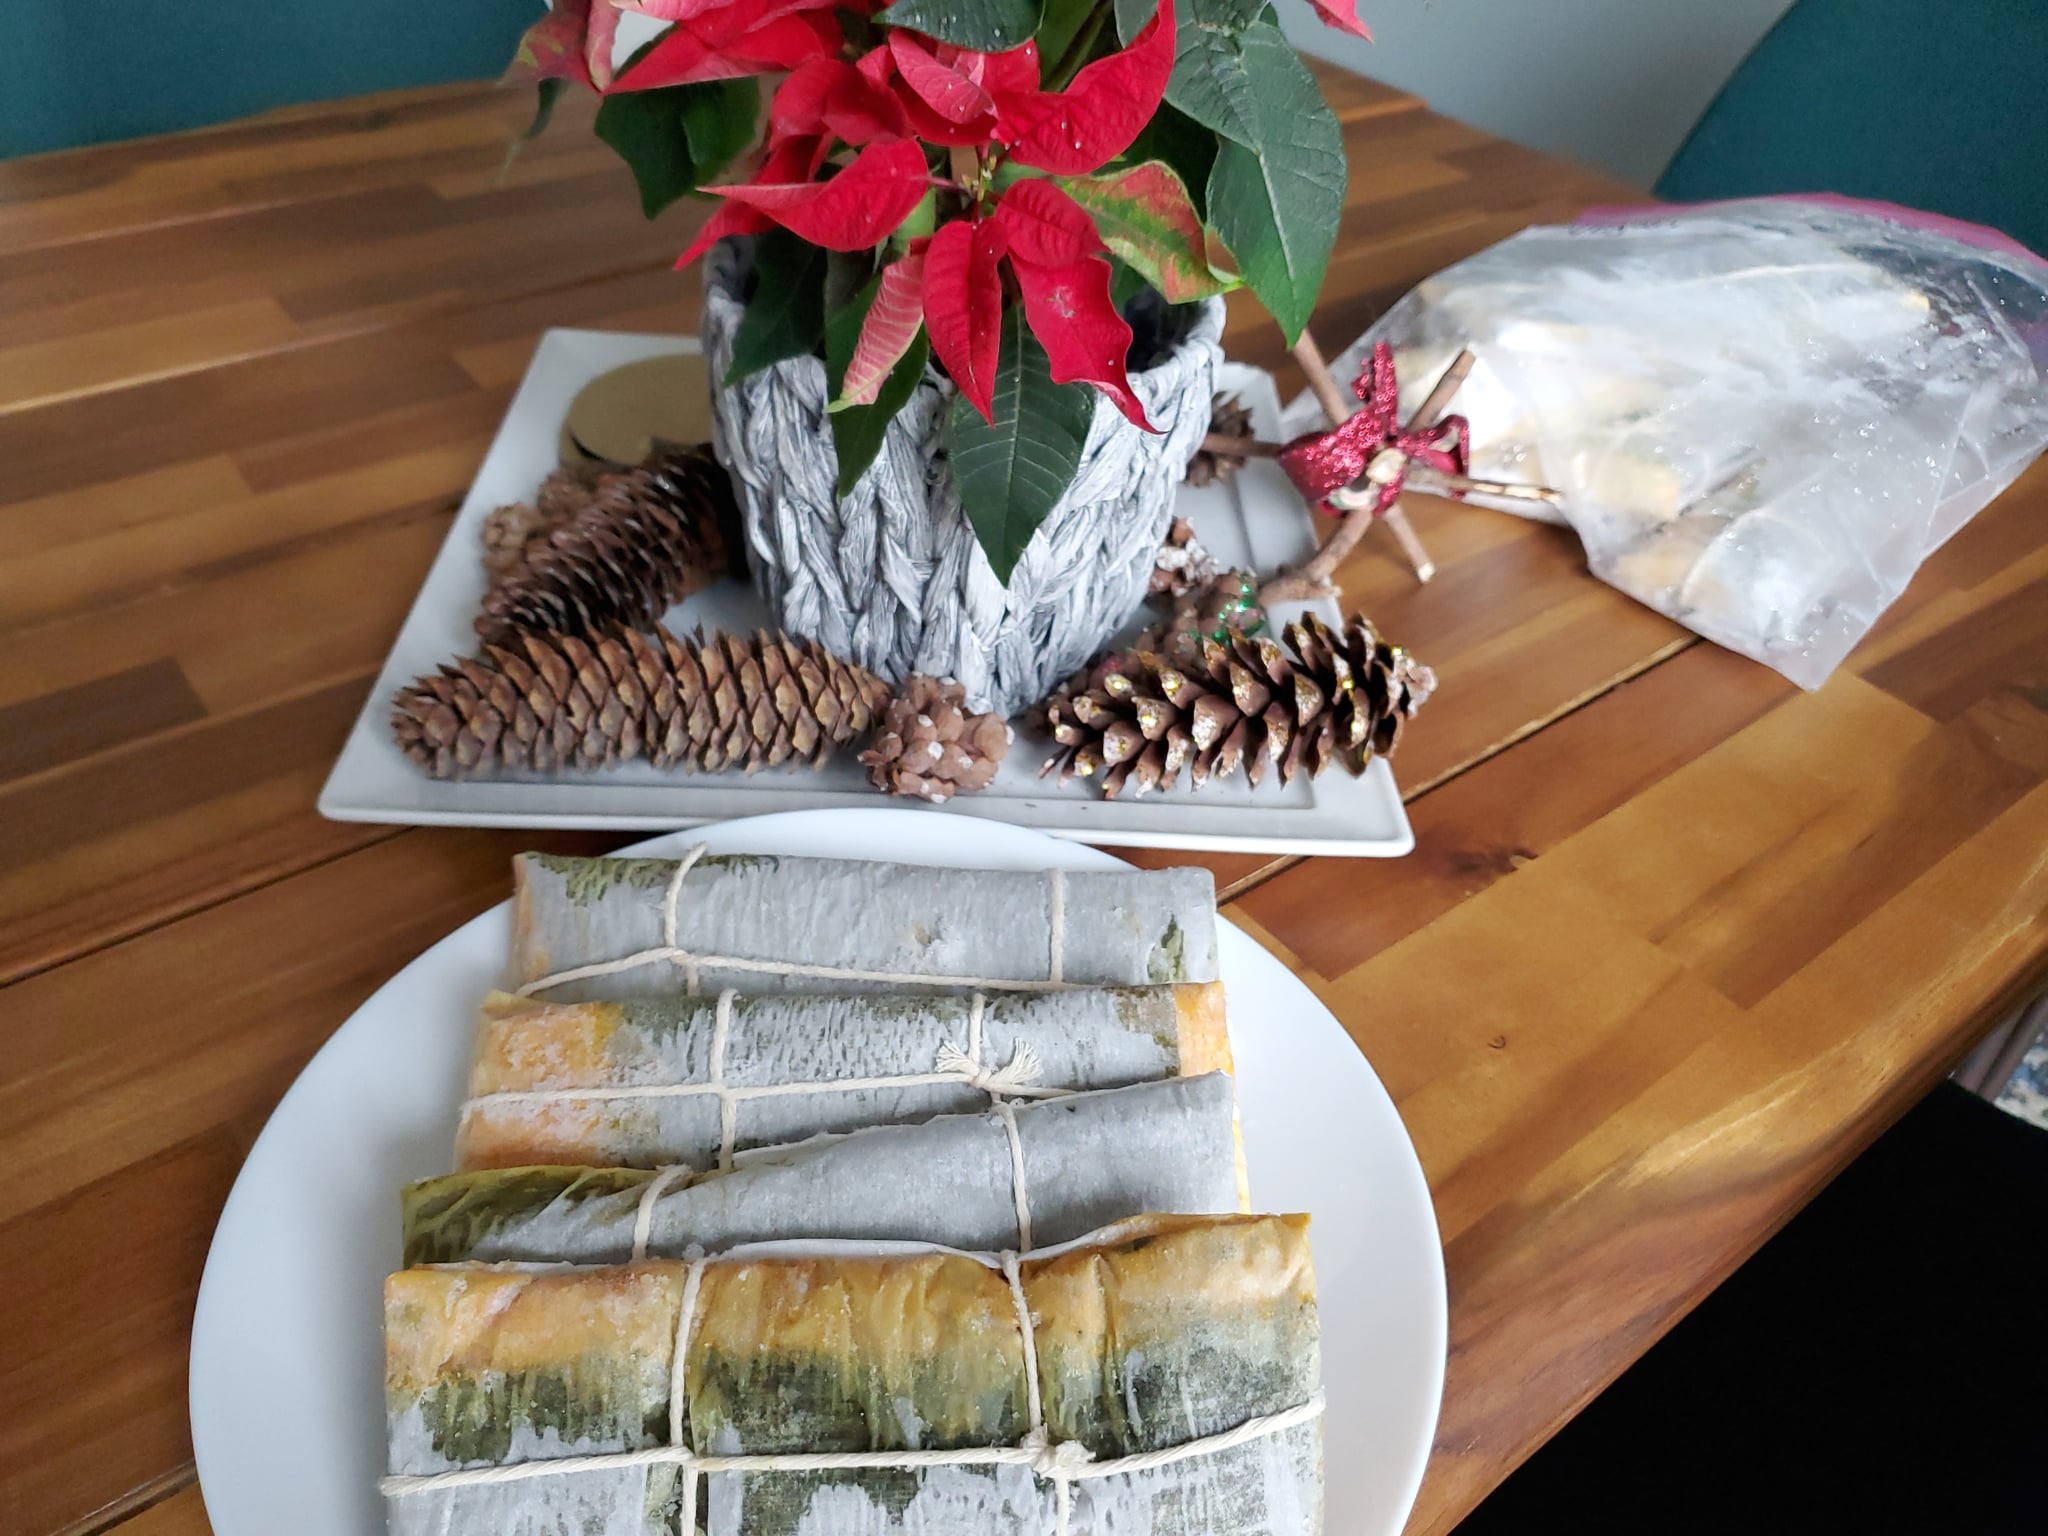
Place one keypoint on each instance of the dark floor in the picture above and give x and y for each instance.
(1880, 1366)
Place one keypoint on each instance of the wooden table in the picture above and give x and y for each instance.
(1676, 942)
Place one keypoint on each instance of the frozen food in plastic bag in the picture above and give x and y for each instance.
(1763, 414)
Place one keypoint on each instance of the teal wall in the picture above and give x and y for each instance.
(83, 71)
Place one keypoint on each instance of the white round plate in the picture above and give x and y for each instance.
(287, 1352)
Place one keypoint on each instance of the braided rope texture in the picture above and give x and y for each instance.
(891, 577)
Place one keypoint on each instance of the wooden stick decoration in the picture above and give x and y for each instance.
(1427, 451)
(1422, 479)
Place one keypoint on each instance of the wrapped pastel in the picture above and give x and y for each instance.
(1161, 1376)
(589, 929)
(631, 1085)
(1080, 1162)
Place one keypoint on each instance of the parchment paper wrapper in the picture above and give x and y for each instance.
(1116, 928)
(1154, 1333)
(1089, 1160)
(1088, 1038)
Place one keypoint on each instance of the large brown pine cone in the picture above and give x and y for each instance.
(931, 746)
(544, 702)
(1253, 703)
(641, 541)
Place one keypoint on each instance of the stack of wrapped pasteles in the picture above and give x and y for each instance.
(806, 1197)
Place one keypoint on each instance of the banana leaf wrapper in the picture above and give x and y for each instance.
(1116, 928)
(1082, 1039)
(1154, 1333)
(1089, 1160)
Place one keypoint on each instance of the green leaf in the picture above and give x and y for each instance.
(1059, 26)
(1278, 202)
(1131, 16)
(858, 430)
(1182, 143)
(1145, 216)
(1012, 472)
(1210, 81)
(989, 26)
(1125, 284)
(678, 137)
(718, 122)
(544, 107)
(646, 129)
(786, 316)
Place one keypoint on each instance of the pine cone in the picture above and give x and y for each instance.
(1229, 418)
(1183, 563)
(509, 529)
(1254, 703)
(930, 746)
(549, 701)
(642, 541)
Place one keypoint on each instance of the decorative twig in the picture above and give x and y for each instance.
(1423, 479)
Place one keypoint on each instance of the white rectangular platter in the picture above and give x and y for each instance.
(1257, 521)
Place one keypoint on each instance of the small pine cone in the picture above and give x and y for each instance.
(1316, 696)
(1183, 563)
(641, 541)
(505, 535)
(931, 746)
(1212, 461)
(508, 530)
(546, 702)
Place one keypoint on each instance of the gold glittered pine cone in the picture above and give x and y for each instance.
(550, 701)
(1255, 704)
(641, 541)
(930, 745)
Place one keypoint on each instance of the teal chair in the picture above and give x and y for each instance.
(1940, 105)
(84, 71)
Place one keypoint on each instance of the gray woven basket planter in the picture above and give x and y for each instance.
(891, 576)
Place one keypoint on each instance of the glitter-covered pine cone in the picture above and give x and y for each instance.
(1250, 704)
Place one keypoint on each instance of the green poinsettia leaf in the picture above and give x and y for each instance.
(1277, 202)
(1059, 26)
(858, 430)
(988, 26)
(678, 137)
(786, 316)
(1131, 16)
(718, 119)
(549, 93)
(1179, 141)
(1012, 471)
(1146, 217)
(1210, 81)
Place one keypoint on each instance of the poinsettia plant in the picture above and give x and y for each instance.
(981, 184)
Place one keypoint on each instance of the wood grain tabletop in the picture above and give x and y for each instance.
(1677, 940)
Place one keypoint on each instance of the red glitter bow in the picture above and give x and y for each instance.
(1322, 463)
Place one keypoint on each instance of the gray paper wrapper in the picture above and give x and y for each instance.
(539, 1073)
(1089, 1160)
(951, 927)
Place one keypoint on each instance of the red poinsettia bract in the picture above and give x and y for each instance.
(912, 88)
(710, 40)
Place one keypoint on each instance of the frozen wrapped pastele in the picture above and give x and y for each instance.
(560, 1388)
(630, 1084)
(613, 928)
(1763, 415)
(1081, 1162)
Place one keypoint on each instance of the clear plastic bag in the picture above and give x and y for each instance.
(1763, 415)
